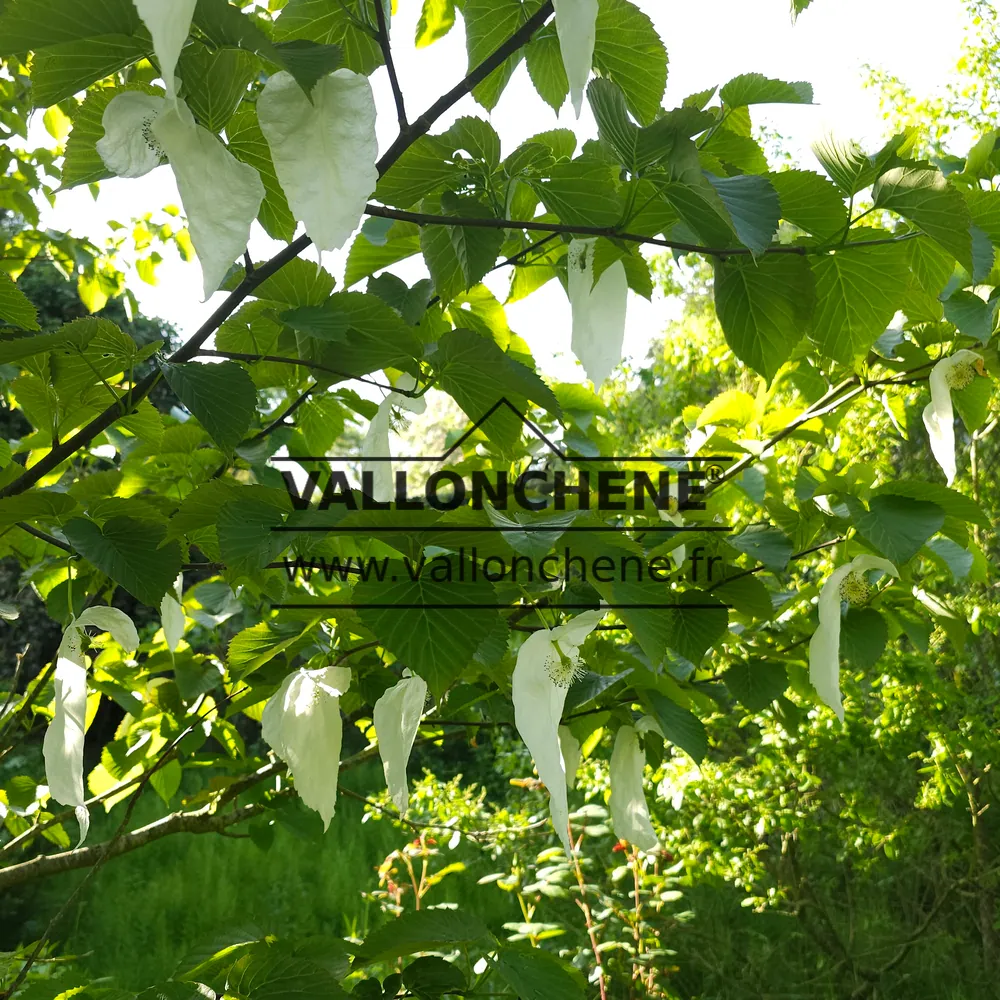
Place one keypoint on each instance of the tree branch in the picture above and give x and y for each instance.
(390, 66)
(61, 452)
(610, 232)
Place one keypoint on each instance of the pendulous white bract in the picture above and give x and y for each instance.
(953, 372)
(824, 647)
(598, 311)
(376, 442)
(221, 196)
(547, 664)
(62, 746)
(168, 22)
(576, 25)
(396, 719)
(629, 811)
(302, 724)
(324, 150)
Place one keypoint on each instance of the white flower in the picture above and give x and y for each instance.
(954, 372)
(576, 25)
(844, 583)
(396, 719)
(302, 724)
(376, 442)
(172, 614)
(62, 747)
(598, 311)
(324, 150)
(221, 196)
(629, 812)
(569, 747)
(168, 22)
(547, 664)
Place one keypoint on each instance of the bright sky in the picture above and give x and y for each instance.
(708, 43)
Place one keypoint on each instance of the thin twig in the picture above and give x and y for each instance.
(390, 66)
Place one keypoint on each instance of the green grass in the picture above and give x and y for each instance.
(146, 911)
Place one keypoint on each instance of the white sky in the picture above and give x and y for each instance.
(707, 42)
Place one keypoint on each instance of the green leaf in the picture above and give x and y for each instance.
(62, 70)
(15, 307)
(534, 974)
(863, 637)
(377, 337)
(764, 308)
(858, 291)
(426, 167)
(972, 315)
(329, 22)
(680, 726)
(810, 202)
(476, 250)
(953, 503)
(476, 373)
(215, 82)
(629, 50)
(754, 88)
(699, 205)
(433, 625)
(299, 283)
(246, 542)
(474, 136)
(925, 198)
(250, 649)
(973, 403)
(581, 192)
(109, 352)
(130, 552)
(38, 24)
(308, 61)
(488, 24)
(771, 546)
(222, 397)
(931, 266)
(422, 930)
(437, 17)
(756, 683)
(34, 504)
(320, 322)
(365, 257)
(984, 209)
(734, 407)
(247, 144)
(753, 206)
(546, 69)
(263, 974)
(898, 526)
(432, 976)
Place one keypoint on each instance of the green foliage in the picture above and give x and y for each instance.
(247, 569)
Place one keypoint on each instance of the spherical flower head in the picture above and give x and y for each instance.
(961, 375)
(856, 590)
(563, 669)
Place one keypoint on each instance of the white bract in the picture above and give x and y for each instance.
(376, 442)
(396, 719)
(172, 614)
(569, 746)
(576, 25)
(846, 583)
(62, 747)
(955, 372)
(324, 150)
(629, 812)
(221, 196)
(598, 311)
(302, 724)
(168, 22)
(547, 664)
